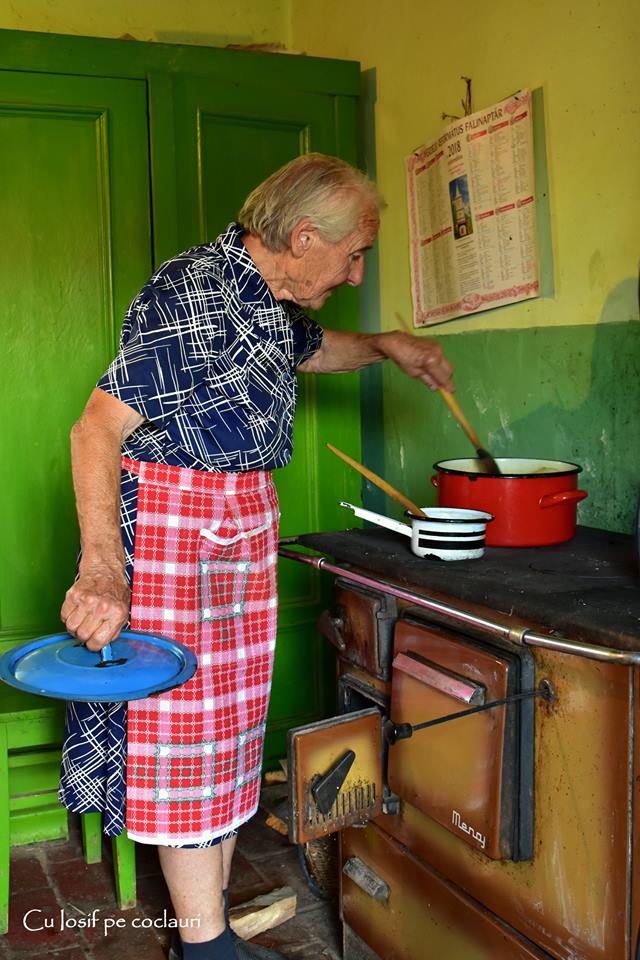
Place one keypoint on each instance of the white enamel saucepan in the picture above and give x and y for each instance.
(449, 533)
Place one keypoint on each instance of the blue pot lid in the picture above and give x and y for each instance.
(134, 666)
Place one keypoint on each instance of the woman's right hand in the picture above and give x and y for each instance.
(97, 606)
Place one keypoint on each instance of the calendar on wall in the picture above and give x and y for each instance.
(472, 214)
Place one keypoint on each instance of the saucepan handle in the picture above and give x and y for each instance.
(564, 496)
(434, 480)
(379, 519)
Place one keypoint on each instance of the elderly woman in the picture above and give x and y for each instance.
(178, 518)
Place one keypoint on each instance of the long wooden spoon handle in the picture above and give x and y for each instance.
(452, 403)
(379, 482)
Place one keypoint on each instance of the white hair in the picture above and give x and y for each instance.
(325, 190)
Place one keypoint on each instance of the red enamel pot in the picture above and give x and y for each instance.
(533, 501)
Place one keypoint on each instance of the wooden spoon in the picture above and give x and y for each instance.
(487, 463)
(379, 482)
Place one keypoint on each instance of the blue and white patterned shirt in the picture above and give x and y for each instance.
(208, 357)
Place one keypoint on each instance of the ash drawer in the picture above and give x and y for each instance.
(403, 910)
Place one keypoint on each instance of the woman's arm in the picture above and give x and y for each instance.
(341, 352)
(97, 605)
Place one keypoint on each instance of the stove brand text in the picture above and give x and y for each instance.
(457, 822)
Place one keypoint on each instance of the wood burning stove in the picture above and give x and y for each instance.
(483, 770)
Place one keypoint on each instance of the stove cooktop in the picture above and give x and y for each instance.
(588, 588)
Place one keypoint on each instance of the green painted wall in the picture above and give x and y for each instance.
(558, 376)
(571, 392)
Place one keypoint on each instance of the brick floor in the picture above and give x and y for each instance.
(54, 890)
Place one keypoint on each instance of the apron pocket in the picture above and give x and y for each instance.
(223, 585)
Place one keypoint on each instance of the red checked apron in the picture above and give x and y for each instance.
(204, 574)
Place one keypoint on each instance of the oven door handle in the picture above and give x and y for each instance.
(402, 731)
(460, 688)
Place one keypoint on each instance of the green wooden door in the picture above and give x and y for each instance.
(228, 137)
(74, 248)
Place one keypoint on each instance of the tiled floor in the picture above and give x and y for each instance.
(53, 882)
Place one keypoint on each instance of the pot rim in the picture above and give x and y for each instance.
(480, 517)
(574, 468)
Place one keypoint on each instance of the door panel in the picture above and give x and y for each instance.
(228, 138)
(239, 153)
(75, 246)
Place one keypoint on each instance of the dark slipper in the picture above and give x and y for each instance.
(253, 951)
(245, 950)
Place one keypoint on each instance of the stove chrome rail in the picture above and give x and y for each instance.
(516, 634)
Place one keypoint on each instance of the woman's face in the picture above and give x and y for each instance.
(322, 267)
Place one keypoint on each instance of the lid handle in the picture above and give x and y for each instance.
(108, 660)
(106, 654)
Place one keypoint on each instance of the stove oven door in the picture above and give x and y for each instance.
(474, 775)
(335, 774)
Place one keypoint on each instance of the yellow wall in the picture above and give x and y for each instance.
(585, 58)
(210, 22)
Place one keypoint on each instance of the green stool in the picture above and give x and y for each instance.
(124, 857)
(27, 725)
